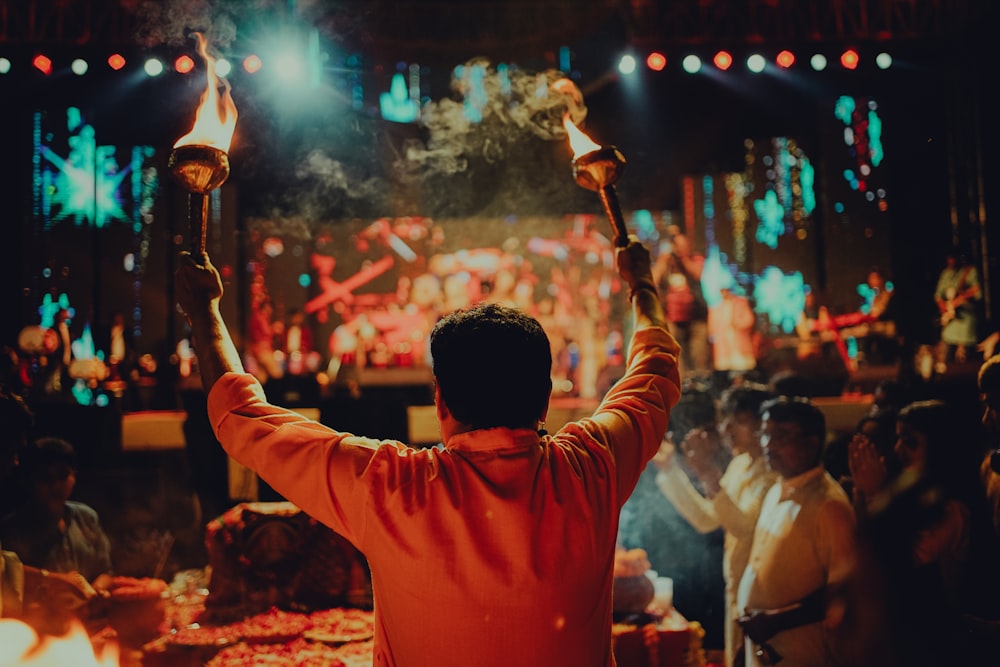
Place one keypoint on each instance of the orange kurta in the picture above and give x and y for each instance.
(496, 550)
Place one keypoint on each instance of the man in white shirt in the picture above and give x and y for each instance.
(803, 547)
(731, 499)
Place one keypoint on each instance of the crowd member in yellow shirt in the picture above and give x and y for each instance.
(730, 499)
(803, 551)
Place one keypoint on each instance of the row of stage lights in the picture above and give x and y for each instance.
(723, 60)
(656, 61)
(151, 66)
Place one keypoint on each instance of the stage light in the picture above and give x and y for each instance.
(785, 59)
(723, 60)
(314, 60)
(656, 61)
(223, 67)
(883, 60)
(627, 64)
(290, 68)
(116, 61)
(691, 64)
(818, 62)
(396, 105)
(252, 64)
(153, 67)
(849, 59)
(79, 67)
(564, 58)
(756, 63)
(4, 65)
(184, 64)
(43, 64)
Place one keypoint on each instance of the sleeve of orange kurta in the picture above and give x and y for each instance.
(632, 419)
(313, 466)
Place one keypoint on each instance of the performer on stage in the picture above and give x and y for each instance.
(957, 294)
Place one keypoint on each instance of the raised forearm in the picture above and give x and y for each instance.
(217, 354)
(646, 306)
(199, 290)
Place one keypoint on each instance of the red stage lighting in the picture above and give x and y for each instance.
(116, 61)
(656, 61)
(849, 59)
(43, 64)
(252, 64)
(723, 60)
(184, 64)
(785, 59)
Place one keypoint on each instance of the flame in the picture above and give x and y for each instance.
(578, 141)
(74, 648)
(215, 120)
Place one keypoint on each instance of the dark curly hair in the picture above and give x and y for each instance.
(493, 366)
(695, 409)
(797, 410)
(746, 397)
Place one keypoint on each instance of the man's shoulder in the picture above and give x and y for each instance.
(81, 511)
(830, 490)
(833, 502)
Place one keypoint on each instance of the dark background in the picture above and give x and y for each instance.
(939, 143)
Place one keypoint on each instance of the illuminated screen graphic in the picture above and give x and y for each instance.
(80, 180)
(369, 293)
(92, 219)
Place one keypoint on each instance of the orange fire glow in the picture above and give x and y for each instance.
(215, 120)
(20, 643)
(578, 141)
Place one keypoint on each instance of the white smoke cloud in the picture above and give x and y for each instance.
(513, 103)
(171, 21)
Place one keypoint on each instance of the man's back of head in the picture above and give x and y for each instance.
(492, 366)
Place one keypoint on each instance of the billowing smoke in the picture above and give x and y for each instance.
(483, 148)
(171, 21)
(494, 109)
(331, 176)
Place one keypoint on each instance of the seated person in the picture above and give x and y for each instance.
(42, 598)
(51, 531)
(45, 600)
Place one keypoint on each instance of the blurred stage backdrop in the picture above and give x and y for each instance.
(355, 222)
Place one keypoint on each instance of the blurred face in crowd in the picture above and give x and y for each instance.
(741, 431)
(787, 450)
(910, 448)
(682, 247)
(53, 485)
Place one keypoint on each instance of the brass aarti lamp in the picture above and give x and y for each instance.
(598, 168)
(199, 160)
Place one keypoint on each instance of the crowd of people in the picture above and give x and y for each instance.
(877, 549)
(805, 549)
